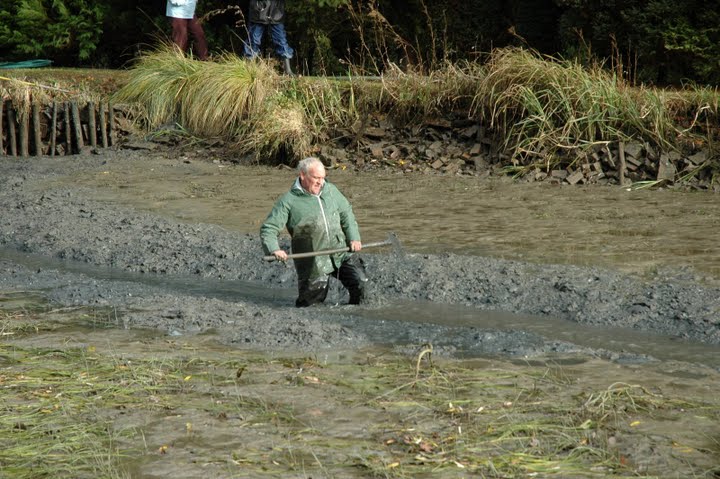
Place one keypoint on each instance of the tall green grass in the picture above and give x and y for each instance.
(544, 105)
(537, 106)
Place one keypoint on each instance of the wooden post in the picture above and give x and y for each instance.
(53, 129)
(77, 126)
(111, 123)
(37, 137)
(103, 126)
(92, 128)
(2, 112)
(622, 170)
(24, 126)
(68, 129)
(11, 130)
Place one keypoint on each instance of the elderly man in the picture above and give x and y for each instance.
(318, 217)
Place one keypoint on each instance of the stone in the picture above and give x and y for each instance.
(452, 168)
(437, 164)
(480, 162)
(575, 178)
(666, 169)
(436, 146)
(633, 149)
(698, 158)
(375, 133)
(469, 132)
(376, 150)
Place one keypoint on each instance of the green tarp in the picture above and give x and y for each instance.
(26, 64)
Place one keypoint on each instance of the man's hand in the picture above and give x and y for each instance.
(280, 255)
(355, 246)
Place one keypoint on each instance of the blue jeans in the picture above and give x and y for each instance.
(277, 34)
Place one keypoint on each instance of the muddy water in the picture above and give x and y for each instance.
(639, 231)
(634, 346)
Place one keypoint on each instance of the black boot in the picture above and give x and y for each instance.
(286, 65)
(353, 276)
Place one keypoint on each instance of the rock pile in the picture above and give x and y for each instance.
(464, 147)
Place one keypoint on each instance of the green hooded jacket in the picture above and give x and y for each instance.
(325, 221)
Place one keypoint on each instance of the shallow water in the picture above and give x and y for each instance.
(636, 231)
(631, 343)
(640, 231)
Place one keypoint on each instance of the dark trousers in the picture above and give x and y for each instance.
(180, 28)
(277, 35)
(351, 274)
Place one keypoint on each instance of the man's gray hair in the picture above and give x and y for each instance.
(307, 163)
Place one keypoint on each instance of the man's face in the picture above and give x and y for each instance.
(313, 180)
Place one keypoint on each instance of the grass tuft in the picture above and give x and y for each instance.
(543, 111)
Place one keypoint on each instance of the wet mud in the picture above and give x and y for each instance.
(75, 230)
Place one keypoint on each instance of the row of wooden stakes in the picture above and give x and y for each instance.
(57, 129)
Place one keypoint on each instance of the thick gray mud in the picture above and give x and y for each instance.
(147, 270)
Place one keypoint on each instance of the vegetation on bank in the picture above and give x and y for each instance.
(539, 114)
(93, 410)
(544, 113)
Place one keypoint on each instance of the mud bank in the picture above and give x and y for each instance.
(147, 271)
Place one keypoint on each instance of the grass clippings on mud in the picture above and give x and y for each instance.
(144, 406)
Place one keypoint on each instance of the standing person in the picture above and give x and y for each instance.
(318, 217)
(270, 14)
(182, 18)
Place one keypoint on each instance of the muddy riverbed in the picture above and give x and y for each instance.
(171, 243)
(488, 268)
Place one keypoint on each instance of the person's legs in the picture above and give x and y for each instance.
(312, 291)
(279, 39)
(255, 34)
(180, 32)
(353, 276)
(200, 44)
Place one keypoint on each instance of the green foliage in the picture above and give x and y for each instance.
(657, 41)
(330, 3)
(689, 36)
(646, 41)
(42, 28)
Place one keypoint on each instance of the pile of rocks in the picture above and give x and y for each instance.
(464, 147)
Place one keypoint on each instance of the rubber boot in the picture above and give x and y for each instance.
(286, 65)
(312, 291)
(353, 276)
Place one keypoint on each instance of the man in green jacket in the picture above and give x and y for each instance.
(318, 217)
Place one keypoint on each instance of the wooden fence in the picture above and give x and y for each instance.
(63, 128)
